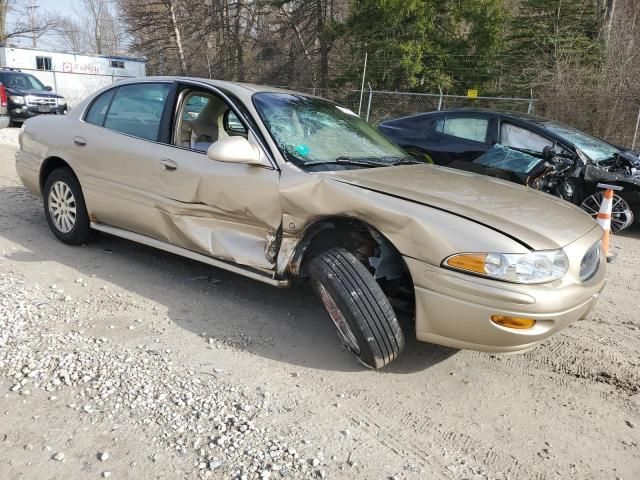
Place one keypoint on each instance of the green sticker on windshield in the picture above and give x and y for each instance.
(302, 149)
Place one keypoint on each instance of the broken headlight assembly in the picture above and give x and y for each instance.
(533, 267)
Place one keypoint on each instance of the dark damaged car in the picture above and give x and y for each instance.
(543, 154)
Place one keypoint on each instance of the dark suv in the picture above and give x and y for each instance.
(28, 97)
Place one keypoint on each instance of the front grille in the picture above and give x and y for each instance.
(590, 262)
(36, 101)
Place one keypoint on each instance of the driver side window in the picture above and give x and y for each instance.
(522, 139)
(203, 119)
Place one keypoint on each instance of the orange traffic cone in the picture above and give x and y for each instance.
(604, 216)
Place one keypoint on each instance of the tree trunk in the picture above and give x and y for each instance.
(322, 41)
(178, 36)
(3, 19)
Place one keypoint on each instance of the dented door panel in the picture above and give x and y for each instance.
(220, 209)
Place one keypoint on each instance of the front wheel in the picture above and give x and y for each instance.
(358, 307)
(65, 209)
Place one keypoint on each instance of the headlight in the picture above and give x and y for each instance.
(533, 267)
(16, 99)
(590, 262)
(62, 102)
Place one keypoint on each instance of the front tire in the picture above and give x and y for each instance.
(358, 307)
(65, 209)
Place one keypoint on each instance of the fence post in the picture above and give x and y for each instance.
(440, 99)
(530, 109)
(364, 75)
(370, 97)
(635, 134)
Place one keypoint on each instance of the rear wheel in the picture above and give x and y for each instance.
(621, 213)
(358, 307)
(65, 209)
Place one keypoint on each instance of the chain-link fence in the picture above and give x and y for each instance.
(378, 106)
(617, 125)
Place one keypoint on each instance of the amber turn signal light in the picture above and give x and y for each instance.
(513, 322)
(470, 262)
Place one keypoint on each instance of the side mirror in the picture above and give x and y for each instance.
(235, 150)
(49, 88)
(548, 153)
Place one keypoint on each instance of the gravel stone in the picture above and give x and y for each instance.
(192, 413)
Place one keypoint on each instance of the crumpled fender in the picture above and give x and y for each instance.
(416, 231)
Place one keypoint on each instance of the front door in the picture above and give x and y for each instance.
(226, 210)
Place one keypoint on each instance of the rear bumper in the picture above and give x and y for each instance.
(28, 169)
(455, 309)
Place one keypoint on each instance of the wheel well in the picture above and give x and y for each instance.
(49, 165)
(369, 246)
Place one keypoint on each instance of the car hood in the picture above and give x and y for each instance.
(538, 220)
(34, 92)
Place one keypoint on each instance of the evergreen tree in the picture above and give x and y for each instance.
(548, 36)
(425, 44)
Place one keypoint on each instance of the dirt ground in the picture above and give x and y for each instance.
(135, 320)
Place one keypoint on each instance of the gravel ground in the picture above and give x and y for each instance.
(120, 361)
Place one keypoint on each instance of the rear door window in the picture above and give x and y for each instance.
(98, 110)
(468, 128)
(136, 110)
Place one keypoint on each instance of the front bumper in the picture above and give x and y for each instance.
(27, 111)
(454, 309)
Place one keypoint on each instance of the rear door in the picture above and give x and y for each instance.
(116, 147)
(461, 138)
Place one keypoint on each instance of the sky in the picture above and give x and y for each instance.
(62, 7)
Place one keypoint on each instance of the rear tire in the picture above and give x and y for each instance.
(65, 209)
(363, 316)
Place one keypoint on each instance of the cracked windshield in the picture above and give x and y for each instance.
(310, 131)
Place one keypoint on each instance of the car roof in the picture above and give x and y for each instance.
(243, 90)
(526, 117)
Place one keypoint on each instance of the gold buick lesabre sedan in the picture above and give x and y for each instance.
(278, 186)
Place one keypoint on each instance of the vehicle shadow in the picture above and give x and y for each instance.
(632, 232)
(285, 325)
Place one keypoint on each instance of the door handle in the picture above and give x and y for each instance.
(167, 165)
(80, 142)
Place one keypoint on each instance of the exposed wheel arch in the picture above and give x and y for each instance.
(49, 165)
(376, 252)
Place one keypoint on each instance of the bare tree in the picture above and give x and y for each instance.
(93, 28)
(26, 22)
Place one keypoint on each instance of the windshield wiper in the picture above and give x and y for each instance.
(367, 162)
(348, 161)
(371, 162)
(405, 161)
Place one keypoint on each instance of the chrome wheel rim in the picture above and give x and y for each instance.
(621, 214)
(62, 207)
(344, 330)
